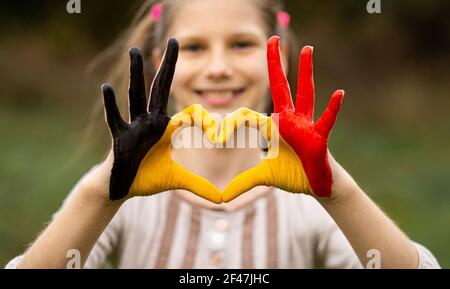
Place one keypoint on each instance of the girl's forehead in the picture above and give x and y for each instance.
(217, 17)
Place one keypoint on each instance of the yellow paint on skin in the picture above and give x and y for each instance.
(158, 172)
(281, 167)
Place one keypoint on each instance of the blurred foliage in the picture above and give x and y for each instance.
(392, 135)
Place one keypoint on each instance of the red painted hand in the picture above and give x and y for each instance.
(307, 138)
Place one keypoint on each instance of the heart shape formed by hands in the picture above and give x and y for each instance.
(297, 159)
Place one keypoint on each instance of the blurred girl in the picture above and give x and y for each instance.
(222, 66)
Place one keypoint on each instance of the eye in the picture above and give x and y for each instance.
(193, 47)
(242, 44)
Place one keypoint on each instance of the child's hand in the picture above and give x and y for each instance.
(308, 139)
(142, 164)
(301, 163)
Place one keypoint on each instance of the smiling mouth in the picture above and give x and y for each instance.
(219, 97)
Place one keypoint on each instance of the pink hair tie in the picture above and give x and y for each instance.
(156, 12)
(284, 19)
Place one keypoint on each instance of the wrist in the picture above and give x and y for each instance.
(343, 192)
(98, 195)
(94, 188)
(343, 185)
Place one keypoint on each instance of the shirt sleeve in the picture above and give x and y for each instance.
(426, 258)
(104, 246)
(13, 263)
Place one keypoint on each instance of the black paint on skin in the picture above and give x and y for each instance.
(132, 141)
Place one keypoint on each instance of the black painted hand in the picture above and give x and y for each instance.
(142, 163)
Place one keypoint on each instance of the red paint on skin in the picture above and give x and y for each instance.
(307, 138)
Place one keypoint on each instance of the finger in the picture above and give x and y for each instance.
(244, 116)
(305, 90)
(160, 90)
(136, 90)
(195, 115)
(245, 181)
(328, 118)
(113, 118)
(185, 180)
(279, 86)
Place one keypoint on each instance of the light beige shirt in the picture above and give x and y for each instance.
(277, 230)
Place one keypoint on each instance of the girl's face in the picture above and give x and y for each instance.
(222, 61)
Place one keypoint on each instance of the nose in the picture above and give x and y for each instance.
(219, 65)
